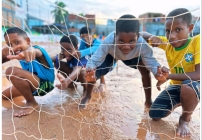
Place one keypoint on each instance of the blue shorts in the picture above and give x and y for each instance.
(133, 62)
(162, 105)
(109, 63)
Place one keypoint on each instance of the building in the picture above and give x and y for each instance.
(50, 29)
(196, 22)
(25, 13)
(75, 23)
(10, 10)
(104, 30)
(38, 13)
(153, 23)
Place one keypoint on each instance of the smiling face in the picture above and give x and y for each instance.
(126, 42)
(177, 31)
(18, 43)
(67, 49)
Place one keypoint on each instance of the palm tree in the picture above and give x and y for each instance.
(59, 13)
(81, 14)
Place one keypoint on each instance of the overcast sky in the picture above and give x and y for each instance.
(116, 8)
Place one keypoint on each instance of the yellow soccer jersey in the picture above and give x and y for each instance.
(183, 59)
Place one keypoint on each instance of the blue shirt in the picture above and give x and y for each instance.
(86, 50)
(75, 62)
(45, 73)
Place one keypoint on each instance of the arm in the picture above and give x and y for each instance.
(5, 53)
(29, 54)
(146, 35)
(147, 57)
(56, 59)
(87, 51)
(82, 45)
(154, 41)
(185, 76)
(53, 58)
(99, 56)
(75, 73)
(181, 77)
(160, 73)
(66, 81)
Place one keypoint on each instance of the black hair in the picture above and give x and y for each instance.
(70, 39)
(124, 25)
(16, 30)
(185, 17)
(85, 30)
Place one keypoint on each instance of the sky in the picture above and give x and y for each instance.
(116, 8)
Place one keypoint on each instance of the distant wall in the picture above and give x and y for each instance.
(154, 28)
(41, 38)
(106, 29)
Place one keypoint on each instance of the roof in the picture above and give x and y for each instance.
(80, 18)
(152, 13)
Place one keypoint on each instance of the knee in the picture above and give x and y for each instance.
(185, 91)
(3, 97)
(156, 119)
(11, 71)
(154, 115)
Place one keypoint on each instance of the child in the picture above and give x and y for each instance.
(183, 56)
(71, 69)
(36, 76)
(125, 44)
(87, 47)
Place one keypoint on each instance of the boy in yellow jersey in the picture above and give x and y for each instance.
(183, 57)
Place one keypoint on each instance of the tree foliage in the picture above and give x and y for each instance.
(59, 13)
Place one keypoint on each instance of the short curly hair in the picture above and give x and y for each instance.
(124, 25)
(186, 15)
(70, 39)
(17, 30)
(85, 30)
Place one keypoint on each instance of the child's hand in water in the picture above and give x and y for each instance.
(90, 75)
(155, 41)
(161, 76)
(28, 55)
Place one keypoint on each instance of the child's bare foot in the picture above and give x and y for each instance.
(28, 109)
(183, 129)
(84, 102)
(148, 104)
(101, 89)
